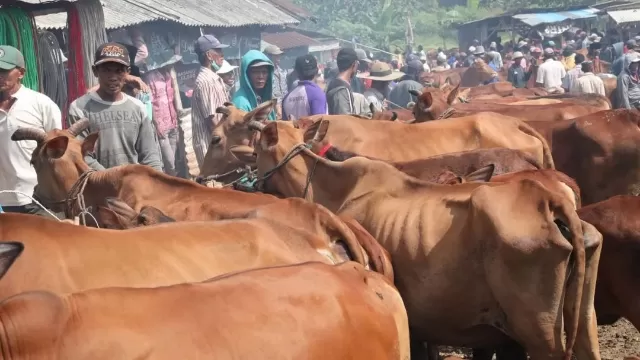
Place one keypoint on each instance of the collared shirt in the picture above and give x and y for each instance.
(209, 93)
(589, 83)
(30, 109)
(279, 83)
(550, 74)
(569, 81)
(164, 111)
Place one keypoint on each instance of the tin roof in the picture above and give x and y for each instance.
(288, 39)
(535, 19)
(624, 16)
(214, 13)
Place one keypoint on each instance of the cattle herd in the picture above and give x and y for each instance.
(481, 218)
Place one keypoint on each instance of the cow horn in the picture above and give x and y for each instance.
(256, 125)
(29, 134)
(78, 127)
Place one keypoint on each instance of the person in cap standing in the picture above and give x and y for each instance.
(306, 98)
(517, 74)
(468, 61)
(256, 77)
(228, 76)
(279, 81)
(618, 64)
(441, 63)
(550, 73)
(20, 107)
(127, 135)
(381, 75)
(339, 92)
(399, 96)
(359, 85)
(496, 58)
(209, 93)
(569, 81)
(628, 89)
(588, 82)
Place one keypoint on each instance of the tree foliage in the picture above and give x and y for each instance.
(383, 23)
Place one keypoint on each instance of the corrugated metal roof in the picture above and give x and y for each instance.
(292, 8)
(555, 17)
(625, 16)
(214, 13)
(288, 39)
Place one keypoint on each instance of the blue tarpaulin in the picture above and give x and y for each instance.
(535, 19)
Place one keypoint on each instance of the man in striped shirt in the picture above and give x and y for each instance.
(209, 93)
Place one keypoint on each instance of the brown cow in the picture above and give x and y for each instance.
(118, 215)
(304, 311)
(601, 151)
(433, 105)
(82, 258)
(440, 238)
(408, 142)
(230, 131)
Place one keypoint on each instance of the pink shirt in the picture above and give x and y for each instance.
(162, 95)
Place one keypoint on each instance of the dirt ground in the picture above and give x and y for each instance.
(616, 341)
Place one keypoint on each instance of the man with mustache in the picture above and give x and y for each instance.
(127, 135)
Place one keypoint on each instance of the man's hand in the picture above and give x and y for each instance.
(137, 81)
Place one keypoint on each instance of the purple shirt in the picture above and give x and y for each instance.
(306, 99)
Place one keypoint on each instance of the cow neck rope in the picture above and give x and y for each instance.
(295, 151)
(77, 194)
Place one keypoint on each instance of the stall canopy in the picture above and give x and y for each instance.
(536, 19)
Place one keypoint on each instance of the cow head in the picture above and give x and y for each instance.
(58, 157)
(478, 73)
(432, 103)
(118, 215)
(236, 128)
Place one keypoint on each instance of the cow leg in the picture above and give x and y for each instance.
(587, 346)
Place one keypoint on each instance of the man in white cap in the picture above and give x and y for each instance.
(423, 59)
(279, 82)
(550, 73)
(441, 63)
(470, 58)
(227, 74)
(381, 75)
(628, 89)
(517, 73)
(495, 56)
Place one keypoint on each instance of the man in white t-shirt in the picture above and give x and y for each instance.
(20, 107)
(550, 73)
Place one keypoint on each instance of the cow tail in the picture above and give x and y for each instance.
(577, 241)
(379, 258)
(546, 151)
(334, 224)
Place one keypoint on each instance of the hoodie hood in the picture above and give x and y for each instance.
(626, 61)
(245, 98)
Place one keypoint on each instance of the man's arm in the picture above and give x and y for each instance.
(75, 114)
(147, 145)
(623, 92)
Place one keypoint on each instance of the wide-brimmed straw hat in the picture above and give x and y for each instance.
(381, 71)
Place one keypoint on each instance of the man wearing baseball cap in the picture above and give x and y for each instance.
(127, 135)
(279, 81)
(209, 93)
(306, 98)
(339, 92)
(550, 73)
(20, 107)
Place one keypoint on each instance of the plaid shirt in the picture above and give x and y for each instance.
(279, 83)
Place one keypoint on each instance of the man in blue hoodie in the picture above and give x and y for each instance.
(256, 82)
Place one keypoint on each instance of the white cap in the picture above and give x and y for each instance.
(593, 36)
(226, 67)
(472, 49)
(493, 44)
(517, 54)
(442, 56)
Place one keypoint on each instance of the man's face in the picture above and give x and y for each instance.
(633, 67)
(258, 76)
(9, 79)
(228, 78)
(216, 55)
(111, 76)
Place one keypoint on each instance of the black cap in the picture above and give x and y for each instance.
(112, 52)
(306, 66)
(346, 57)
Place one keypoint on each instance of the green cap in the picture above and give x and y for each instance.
(10, 58)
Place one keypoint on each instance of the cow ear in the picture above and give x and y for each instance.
(453, 95)
(89, 143)
(269, 135)
(56, 147)
(9, 252)
(261, 112)
(483, 174)
(121, 208)
(448, 178)
(322, 131)
(244, 153)
(109, 219)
